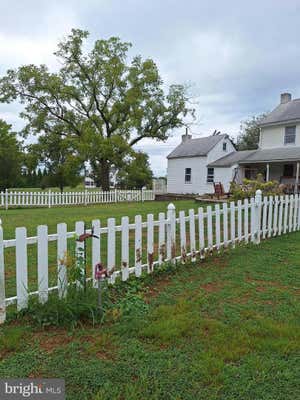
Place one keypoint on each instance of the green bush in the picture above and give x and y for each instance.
(248, 188)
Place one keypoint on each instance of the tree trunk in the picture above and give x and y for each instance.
(101, 174)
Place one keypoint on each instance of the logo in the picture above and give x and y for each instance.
(40, 389)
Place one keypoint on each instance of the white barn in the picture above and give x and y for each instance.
(196, 164)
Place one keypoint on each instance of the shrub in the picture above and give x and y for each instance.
(248, 188)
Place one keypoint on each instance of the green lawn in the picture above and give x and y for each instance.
(225, 329)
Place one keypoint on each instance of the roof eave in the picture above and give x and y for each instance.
(282, 122)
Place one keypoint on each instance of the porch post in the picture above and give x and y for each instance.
(268, 173)
(297, 177)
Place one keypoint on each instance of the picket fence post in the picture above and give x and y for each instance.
(257, 216)
(2, 278)
(171, 233)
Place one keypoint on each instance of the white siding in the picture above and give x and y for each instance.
(273, 136)
(198, 165)
(225, 176)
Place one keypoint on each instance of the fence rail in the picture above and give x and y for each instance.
(145, 244)
(53, 199)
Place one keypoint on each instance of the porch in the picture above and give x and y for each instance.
(286, 173)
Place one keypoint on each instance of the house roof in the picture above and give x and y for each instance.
(279, 154)
(195, 147)
(285, 112)
(232, 158)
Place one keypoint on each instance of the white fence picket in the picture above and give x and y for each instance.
(96, 248)
(182, 230)
(225, 224)
(192, 235)
(111, 248)
(246, 220)
(150, 237)
(232, 223)
(201, 232)
(275, 219)
(80, 249)
(296, 203)
(239, 220)
(138, 245)
(291, 213)
(286, 211)
(62, 259)
(21, 264)
(42, 247)
(264, 217)
(161, 238)
(217, 225)
(125, 248)
(209, 229)
(280, 215)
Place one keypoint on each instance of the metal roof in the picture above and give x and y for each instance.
(279, 154)
(286, 112)
(231, 159)
(196, 147)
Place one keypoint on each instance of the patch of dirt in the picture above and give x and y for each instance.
(212, 287)
(52, 340)
(154, 290)
(262, 285)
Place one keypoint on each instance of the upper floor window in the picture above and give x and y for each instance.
(210, 175)
(188, 175)
(224, 146)
(290, 135)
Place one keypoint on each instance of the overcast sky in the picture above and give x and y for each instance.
(238, 56)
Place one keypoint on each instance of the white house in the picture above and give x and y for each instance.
(196, 163)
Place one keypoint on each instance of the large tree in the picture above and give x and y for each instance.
(248, 138)
(10, 157)
(99, 99)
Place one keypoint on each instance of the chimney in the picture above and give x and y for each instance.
(285, 98)
(186, 137)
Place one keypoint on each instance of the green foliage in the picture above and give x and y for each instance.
(248, 138)
(136, 173)
(99, 100)
(10, 157)
(249, 187)
(11, 338)
(60, 159)
(75, 308)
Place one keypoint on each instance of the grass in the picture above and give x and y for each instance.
(227, 328)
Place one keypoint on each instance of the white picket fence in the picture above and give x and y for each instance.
(53, 199)
(166, 239)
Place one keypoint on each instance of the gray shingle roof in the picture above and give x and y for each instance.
(286, 112)
(195, 147)
(232, 158)
(275, 154)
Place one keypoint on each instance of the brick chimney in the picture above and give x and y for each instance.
(285, 98)
(186, 136)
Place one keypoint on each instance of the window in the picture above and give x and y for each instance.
(210, 175)
(288, 170)
(224, 146)
(290, 135)
(188, 175)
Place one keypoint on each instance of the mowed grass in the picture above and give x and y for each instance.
(226, 328)
(32, 217)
